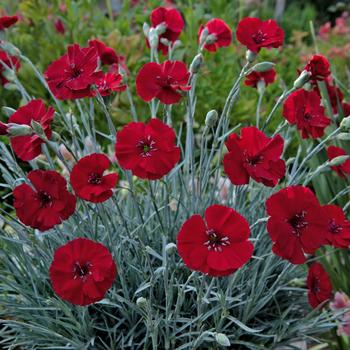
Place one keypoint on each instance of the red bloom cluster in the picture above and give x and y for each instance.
(88, 181)
(217, 246)
(338, 228)
(173, 22)
(10, 61)
(82, 271)
(256, 34)
(47, 203)
(303, 109)
(268, 77)
(319, 68)
(148, 150)
(73, 75)
(28, 147)
(220, 34)
(295, 225)
(163, 81)
(319, 285)
(7, 21)
(254, 155)
(343, 170)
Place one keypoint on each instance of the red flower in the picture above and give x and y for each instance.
(319, 68)
(173, 22)
(88, 181)
(110, 82)
(72, 75)
(148, 150)
(3, 129)
(163, 81)
(254, 77)
(217, 246)
(7, 21)
(59, 26)
(303, 108)
(335, 95)
(47, 203)
(338, 229)
(219, 31)
(10, 61)
(295, 225)
(254, 155)
(82, 271)
(256, 34)
(107, 55)
(29, 147)
(343, 170)
(319, 285)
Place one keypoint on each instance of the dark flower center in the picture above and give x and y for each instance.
(315, 285)
(254, 160)
(82, 271)
(298, 222)
(259, 37)
(94, 179)
(74, 71)
(165, 81)
(307, 116)
(45, 199)
(215, 241)
(334, 227)
(146, 147)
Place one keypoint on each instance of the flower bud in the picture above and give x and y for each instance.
(345, 124)
(145, 29)
(251, 56)
(38, 129)
(338, 160)
(177, 44)
(10, 49)
(303, 78)
(222, 339)
(10, 86)
(343, 136)
(165, 41)
(263, 66)
(9, 74)
(170, 248)
(196, 63)
(203, 36)
(211, 118)
(141, 302)
(8, 111)
(153, 38)
(19, 130)
(161, 28)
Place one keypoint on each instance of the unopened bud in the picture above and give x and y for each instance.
(303, 78)
(170, 248)
(9, 74)
(203, 36)
(196, 63)
(165, 41)
(177, 44)
(345, 124)
(251, 56)
(10, 86)
(222, 339)
(211, 118)
(211, 39)
(141, 302)
(161, 28)
(19, 130)
(153, 38)
(263, 66)
(38, 129)
(8, 111)
(10, 49)
(146, 29)
(338, 160)
(344, 136)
